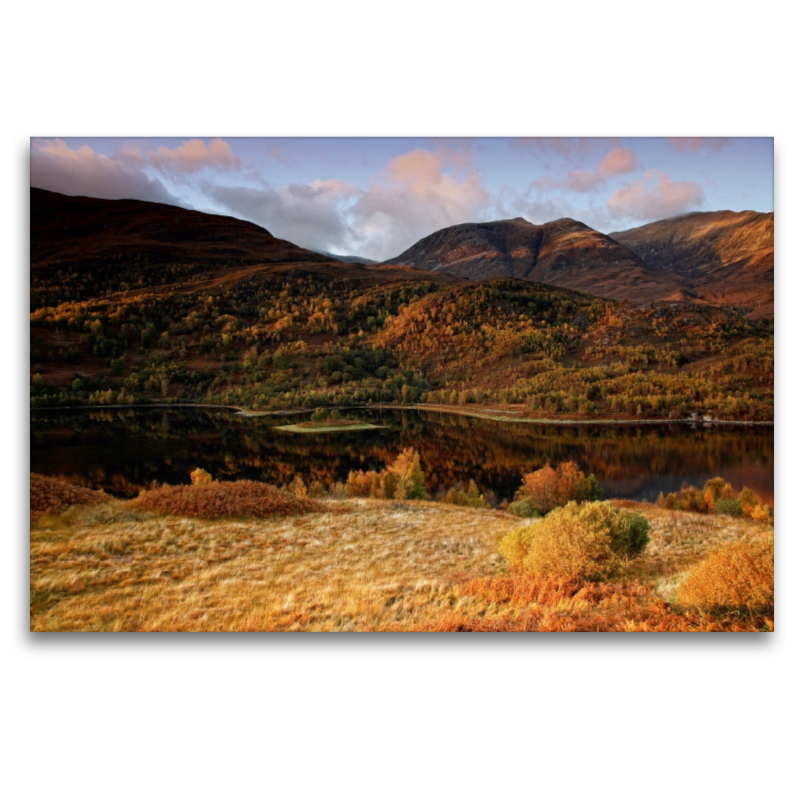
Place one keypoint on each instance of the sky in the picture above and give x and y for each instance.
(375, 197)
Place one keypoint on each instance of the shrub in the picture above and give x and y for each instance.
(689, 498)
(716, 496)
(316, 489)
(748, 499)
(549, 488)
(297, 487)
(472, 497)
(52, 496)
(735, 575)
(589, 541)
(401, 480)
(227, 499)
(200, 477)
(522, 508)
(728, 505)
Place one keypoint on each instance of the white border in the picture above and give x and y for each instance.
(396, 716)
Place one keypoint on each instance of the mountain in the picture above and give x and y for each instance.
(347, 259)
(139, 302)
(83, 248)
(563, 253)
(77, 228)
(720, 256)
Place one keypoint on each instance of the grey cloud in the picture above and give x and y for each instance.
(56, 167)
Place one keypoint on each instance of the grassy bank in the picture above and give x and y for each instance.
(356, 565)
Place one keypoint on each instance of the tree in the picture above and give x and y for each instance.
(411, 481)
(549, 488)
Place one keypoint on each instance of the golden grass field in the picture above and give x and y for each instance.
(358, 565)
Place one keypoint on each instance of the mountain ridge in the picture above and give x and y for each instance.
(564, 253)
(67, 227)
(719, 256)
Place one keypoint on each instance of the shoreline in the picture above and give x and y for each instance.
(492, 416)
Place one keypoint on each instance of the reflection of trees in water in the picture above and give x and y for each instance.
(124, 450)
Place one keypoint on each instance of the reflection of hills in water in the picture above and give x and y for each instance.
(125, 450)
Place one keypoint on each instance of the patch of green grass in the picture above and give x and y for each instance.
(328, 427)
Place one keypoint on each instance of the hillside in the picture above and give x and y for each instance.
(71, 228)
(83, 247)
(564, 253)
(720, 256)
(348, 259)
(116, 319)
(356, 564)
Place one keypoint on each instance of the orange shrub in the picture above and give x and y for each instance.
(734, 575)
(52, 496)
(589, 541)
(716, 497)
(200, 477)
(549, 488)
(227, 499)
(297, 487)
(401, 480)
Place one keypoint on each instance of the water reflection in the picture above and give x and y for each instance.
(123, 450)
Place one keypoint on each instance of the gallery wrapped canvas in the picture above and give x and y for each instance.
(402, 384)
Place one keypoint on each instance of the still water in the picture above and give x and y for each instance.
(124, 450)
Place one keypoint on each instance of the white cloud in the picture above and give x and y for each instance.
(56, 167)
(413, 196)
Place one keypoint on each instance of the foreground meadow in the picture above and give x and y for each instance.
(355, 565)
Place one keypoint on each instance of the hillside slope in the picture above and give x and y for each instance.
(563, 253)
(721, 256)
(72, 228)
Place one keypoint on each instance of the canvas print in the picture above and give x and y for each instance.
(406, 385)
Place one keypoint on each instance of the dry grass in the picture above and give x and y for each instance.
(383, 565)
(52, 496)
(228, 499)
(528, 603)
(679, 539)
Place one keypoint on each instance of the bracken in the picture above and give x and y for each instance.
(227, 499)
(51, 496)
(736, 575)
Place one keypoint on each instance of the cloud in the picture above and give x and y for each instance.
(416, 194)
(189, 157)
(311, 215)
(583, 181)
(618, 161)
(654, 197)
(697, 144)
(569, 148)
(56, 167)
(276, 152)
(530, 205)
